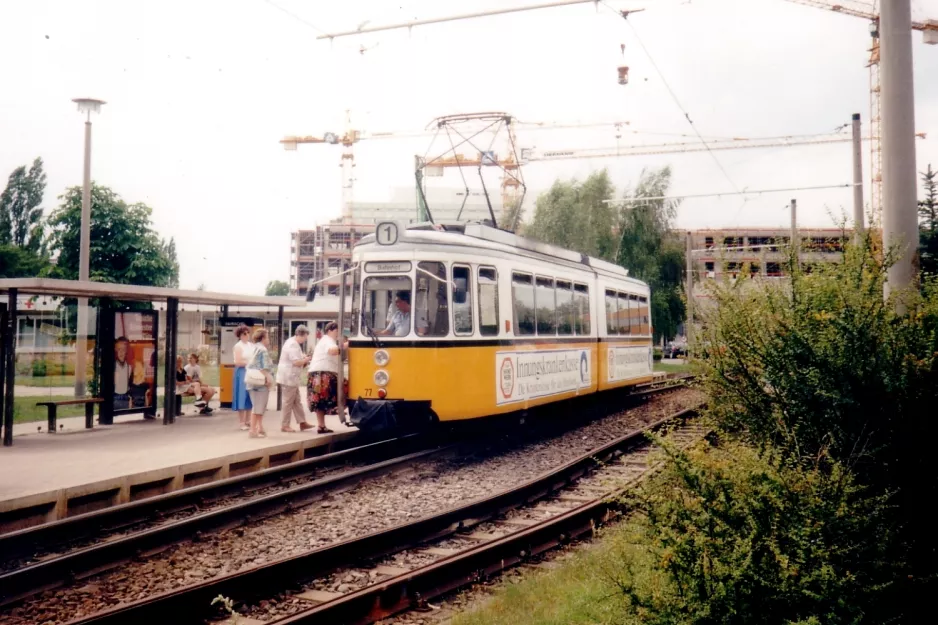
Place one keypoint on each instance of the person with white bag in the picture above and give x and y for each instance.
(258, 379)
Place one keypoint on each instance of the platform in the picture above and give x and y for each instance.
(44, 476)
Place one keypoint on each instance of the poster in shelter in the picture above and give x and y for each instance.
(134, 360)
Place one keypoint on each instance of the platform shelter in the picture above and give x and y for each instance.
(122, 325)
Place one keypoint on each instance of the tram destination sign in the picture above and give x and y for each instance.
(520, 376)
(393, 267)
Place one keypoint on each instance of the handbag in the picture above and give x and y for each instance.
(255, 377)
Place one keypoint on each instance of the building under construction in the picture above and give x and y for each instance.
(730, 252)
(319, 254)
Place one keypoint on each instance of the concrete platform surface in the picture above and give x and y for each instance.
(76, 470)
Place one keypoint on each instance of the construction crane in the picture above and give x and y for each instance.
(350, 136)
(531, 155)
(868, 11)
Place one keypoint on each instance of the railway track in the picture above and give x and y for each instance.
(400, 568)
(133, 532)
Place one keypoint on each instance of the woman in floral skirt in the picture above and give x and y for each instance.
(322, 383)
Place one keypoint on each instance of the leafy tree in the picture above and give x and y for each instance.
(16, 262)
(20, 213)
(823, 368)
(650, 250)
(124, 247)
(578, 216)
(928, 222)
(575, 216)
(277, 287)
(170, 249)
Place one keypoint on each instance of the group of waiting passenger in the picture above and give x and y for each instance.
(251, 391)
(254, 378)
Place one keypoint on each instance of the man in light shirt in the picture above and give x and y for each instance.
(290, 376)
(400, 321)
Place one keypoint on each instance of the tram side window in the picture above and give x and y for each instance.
(565, 310)
(431, 310)
(546, 306)
(612, 321)
(581, 303)
(462, 300)
(522, 291)
(356, 294)
(488, 301)
(378, 307)
(634, 315)
(624, 325)
(643, 308)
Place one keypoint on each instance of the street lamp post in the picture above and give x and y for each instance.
(86, 106)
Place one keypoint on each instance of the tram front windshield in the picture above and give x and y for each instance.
(386, 309)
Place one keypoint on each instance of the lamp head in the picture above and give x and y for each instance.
(88, 105)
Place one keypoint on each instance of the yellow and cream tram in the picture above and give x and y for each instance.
(466, 321)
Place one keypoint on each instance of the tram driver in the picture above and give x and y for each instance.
(399, 324)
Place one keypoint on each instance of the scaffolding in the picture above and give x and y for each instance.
(319, 254)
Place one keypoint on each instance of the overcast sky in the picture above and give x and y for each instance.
(199, 94)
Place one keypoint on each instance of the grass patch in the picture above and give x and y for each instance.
(668, 367)
(582, 590)
(25, 408)
(209, 375)
(45, 380)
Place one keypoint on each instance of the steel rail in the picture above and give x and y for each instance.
(79, 563)
(22, 542)
(413, 589)
(191, 605)
(49, 573)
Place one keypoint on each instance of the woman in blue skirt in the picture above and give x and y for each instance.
(243, 350)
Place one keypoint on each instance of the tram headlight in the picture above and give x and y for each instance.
(382, 377)
(382, 357)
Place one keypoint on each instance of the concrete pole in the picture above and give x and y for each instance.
(857, 181)
(900, 215)
(84, 262)
(689, 286)
(795, 243)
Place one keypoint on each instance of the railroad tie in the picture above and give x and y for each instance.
(577, 498)
(438, 551)
(519, 522)
(318, 596)
(481, 536)
(392, 571)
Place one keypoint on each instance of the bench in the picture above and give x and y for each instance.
(89, 403)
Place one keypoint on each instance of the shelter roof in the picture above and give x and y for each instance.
(129, 292)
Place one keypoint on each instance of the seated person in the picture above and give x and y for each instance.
(400, 320)
(189, 383)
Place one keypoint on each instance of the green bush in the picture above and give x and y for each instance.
(822, 370)
(728, 535)
(39, 369)
(656, 354)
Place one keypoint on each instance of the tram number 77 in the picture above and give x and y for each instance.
(367, 392)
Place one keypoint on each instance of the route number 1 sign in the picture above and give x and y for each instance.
(386, 233)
